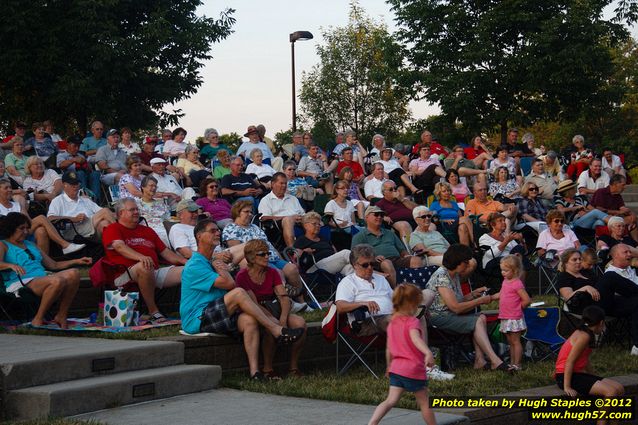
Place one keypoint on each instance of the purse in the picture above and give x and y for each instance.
(120, 308)
(273, 307)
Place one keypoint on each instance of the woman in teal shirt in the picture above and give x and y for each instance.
(451, 219)
(23, 264)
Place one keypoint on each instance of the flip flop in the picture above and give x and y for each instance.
(289, 336)
(157, 317)
(271, 375)
(503, 366)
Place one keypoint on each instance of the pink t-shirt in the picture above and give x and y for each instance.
(264, 291)
(407, 360)
(546, 241)
(509, 305)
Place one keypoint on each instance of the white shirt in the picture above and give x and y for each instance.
(63, 206)
(354, 289)
(373, 187)
(271, 205)
(615, 162)
(182, 236)
(45, 183)
(15, 207)
(628, 273)
(389, 166)
(263, 170)
(341, 215)
(167, 183)
(173, 148)
(584, 180)
(247, 147)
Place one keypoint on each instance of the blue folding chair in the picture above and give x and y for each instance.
(542, 332)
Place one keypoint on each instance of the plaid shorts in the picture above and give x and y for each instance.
(215, 319)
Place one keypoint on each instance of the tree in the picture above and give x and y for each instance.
(116, 60)
(495, 62)
(354, 86)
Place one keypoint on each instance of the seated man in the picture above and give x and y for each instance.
(92, 143)
(313, 166)
(483, 207)
(544, 182)
(210, 302)
(348, 161)
(589, 181)
(398, 210)
(373, 187)
(88, 218)
(73, 160)
(609, 200)
(282, 207)
(110, 159)
(239, 186)
(167, 186)
(464, 166)
(611, 163)
(138, 248)
(390, 251)
(619, 290)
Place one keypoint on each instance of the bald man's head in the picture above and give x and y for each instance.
(621, 255)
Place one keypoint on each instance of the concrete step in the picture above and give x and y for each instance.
(32, 360)
(91, 394)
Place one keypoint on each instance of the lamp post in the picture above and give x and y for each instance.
(301, 36)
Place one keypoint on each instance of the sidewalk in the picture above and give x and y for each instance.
(228, 406)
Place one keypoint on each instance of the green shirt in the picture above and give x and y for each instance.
(387, 244)
(220, 171)
(432, 240)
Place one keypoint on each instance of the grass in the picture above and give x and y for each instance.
(359, 386)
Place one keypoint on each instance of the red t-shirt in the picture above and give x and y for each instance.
(395, 210)
(471, 153)
(357, 171)
(141, 239)
(263, 292)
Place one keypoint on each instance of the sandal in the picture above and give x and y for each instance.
(289, 335)
(258, 376)
(294, 373)
(513, 368)
(157, 317)
(271, 375)
(503, 366)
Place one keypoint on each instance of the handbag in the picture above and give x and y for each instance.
(578, 301)
(273, 307)
(120, 308)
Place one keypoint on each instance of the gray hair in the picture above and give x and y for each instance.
(290, 163)
(578, 137)
(120, 204)
(234, 157)
(32, 160)
(378, 136)
(350, 133)
(210, 132)
(147, 179)
(615, 220)
(254, 152)
(190, 148)
(361, 251)
(527, 137)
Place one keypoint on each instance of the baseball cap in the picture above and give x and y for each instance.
(186, 204)
(158, 161)
(70, 177)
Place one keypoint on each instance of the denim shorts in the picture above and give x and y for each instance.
(408, 384)
(279, 264)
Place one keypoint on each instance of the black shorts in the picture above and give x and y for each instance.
(216, 319)
(581, 382)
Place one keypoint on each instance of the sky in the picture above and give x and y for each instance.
(248, 80)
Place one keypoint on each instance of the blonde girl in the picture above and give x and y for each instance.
(407, 354)
(513, 299)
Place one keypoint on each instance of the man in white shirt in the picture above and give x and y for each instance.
(315, 166)
(592, 179)
(254, 142)
(281, 206)
(167, 186)
(181, 234)
(374, 186)
(88, 218)
(611, 163)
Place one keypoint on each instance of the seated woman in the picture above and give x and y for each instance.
(324, 255)
(578, 212)
(45, 184)
(618, 234)
(210, 151)
(223, 168)
(531, 210)
(478, 152)
(21, 257)
(18, 194)
(395, 172)
(213, 204)
(501, 243)
(130, 183)
(450, 215)
(242, 230)
(425, 170)
(458, 186)
(16, 160)
(154, 211)
(354, 191)
(579, 157)
(41, 228)
(453, 311)
(264, 284)
(571, 281)
(425, 240)
(503, 159)
(504, 189)
(558, 236)
(342, 209)
(190, 166)
(263, 172)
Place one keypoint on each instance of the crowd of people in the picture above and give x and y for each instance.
(197, 216)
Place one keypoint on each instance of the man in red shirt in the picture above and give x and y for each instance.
(609, 200)
(20, 130)
(138, 248)
(347, 161)
(397, 209)
(435, 147)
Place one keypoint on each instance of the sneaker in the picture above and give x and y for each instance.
(298, 307)
(437, 374)
(73, 247)
(634, 350)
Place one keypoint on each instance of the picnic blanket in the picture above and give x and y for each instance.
(85, 325)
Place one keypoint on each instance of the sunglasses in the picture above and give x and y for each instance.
(213, 186)
(533, 189)
(366, 265)
(558, 220)
(378, 214)
(426, 216)
(391, 190)
(262, 254)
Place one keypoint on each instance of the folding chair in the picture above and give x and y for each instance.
(548, 272)
(542, 332)
(315, 278)
(356, 346)
(453, 346)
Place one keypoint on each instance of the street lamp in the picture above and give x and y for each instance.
(295, 36)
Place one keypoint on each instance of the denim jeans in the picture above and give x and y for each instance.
(590, 220)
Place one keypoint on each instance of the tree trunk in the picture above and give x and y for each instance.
(503, 132)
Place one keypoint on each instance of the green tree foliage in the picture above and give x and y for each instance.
(494, 62)
(120, 61)
(354, 86)
(232, 140)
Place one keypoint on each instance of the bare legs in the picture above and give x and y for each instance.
(62, 285)
(145, 280)
(269, 347)
(516, 348)
(44, 233)
(482, 345)
(393, 398)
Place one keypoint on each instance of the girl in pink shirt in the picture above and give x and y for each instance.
(407, 354)
(513, 300)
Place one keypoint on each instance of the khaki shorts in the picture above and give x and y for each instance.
(160, 277)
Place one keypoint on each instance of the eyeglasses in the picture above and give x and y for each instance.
(30, 254)
(213, 186)
(290, 169)
(262, 254)
(98, 129)
(366, 265)
(214, 230)
(378, 214)
(558, 220)
(533, 189)
(480, 189)
(392, 189)
(426, 217)
(314, 223)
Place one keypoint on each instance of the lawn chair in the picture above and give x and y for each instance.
(20, 306)
(542, 332)
(311, 280)
(548, 271)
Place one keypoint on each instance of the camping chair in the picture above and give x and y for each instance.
(419, 276)
(356, 347)
(21, 306)
(310, 281)
(542, 332)
(547, 271)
